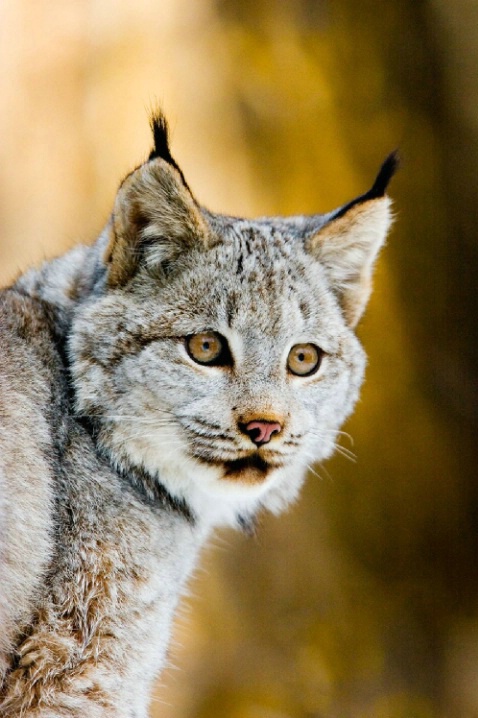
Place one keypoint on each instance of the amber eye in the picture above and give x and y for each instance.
(304, 359)
(208, 348)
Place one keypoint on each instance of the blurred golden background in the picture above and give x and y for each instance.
(362, 601)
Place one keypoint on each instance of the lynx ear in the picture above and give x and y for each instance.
(348, 243)
(155, 217)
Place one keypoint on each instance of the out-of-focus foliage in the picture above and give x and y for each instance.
(362, 601)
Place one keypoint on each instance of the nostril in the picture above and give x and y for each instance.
(260, 432)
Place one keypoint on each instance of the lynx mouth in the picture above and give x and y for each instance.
(254, 462)
(251, 469)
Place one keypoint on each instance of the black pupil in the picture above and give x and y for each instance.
(301, 357)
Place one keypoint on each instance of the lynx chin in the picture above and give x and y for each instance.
(179, 374)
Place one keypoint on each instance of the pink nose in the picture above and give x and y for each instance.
(260, 432)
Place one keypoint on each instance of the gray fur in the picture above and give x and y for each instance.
(119, 454)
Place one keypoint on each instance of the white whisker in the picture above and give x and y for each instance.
(312, 471)
(346, 452)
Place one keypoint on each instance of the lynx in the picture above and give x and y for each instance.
(180, 374)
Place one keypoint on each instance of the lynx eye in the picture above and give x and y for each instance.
(208, 348)
(304, 359)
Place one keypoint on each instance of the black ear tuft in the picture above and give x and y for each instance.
(160, 129)
(386, 172)
(379, 187)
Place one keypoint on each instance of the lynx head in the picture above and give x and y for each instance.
(218, 354)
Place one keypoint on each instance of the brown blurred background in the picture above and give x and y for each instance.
(362, 601)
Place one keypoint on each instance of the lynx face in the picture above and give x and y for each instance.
(219, 353)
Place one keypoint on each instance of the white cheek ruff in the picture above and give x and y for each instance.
(211, 497)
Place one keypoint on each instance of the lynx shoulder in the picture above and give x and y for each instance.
(179, 374)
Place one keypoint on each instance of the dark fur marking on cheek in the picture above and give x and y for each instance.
(126, 346)
(147, 486)
(208, 424)
(129, 344)
(134, 343)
